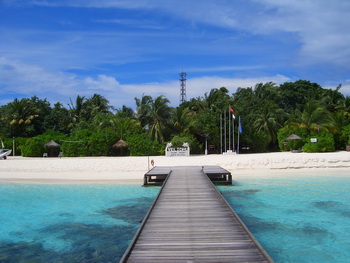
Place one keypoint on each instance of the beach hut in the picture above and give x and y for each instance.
(53, 148)
(120, 145)
(294, 137)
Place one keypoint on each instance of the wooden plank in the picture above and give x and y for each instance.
(191, 222)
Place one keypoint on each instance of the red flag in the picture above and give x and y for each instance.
(233, 113)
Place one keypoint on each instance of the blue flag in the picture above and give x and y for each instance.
(240, 125)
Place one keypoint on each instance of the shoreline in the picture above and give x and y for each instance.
(130, 170)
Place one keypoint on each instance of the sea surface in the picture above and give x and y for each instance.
(302, 218)
(70, 223)
(295, 218)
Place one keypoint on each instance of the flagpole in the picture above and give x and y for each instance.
(239, 123)
(221, 133)
(229, 132)
(233, 135)
(225, 131)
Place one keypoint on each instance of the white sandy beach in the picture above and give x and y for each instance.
(132, 169)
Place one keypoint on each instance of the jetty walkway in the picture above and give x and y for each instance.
(190, 221)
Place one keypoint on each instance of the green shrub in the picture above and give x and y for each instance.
(34, 147)
(289, 145)
(19, 142)
(325, 143)
(342, 137)
(178, 140)
(142, 145)
(88, 143)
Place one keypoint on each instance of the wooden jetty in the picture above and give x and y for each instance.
(217, 175)
(190, 221)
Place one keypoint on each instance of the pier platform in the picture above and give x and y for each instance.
(190, 221)
(217, 175)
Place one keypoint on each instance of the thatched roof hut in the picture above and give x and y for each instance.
(52, 144)
(120, 144)
(53, 149)
(293, 137)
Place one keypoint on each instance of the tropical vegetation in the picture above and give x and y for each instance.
(269, 113)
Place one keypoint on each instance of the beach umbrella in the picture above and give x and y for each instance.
(293, 137)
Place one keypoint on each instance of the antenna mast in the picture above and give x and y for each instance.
(182, 87)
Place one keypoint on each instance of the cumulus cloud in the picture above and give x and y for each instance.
(29, 80)
(197, 87)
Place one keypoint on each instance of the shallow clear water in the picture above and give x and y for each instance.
(298, 219)
(70, 223)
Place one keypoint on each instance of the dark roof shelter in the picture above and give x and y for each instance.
(293, 137)
(53, 148)
(121, 144)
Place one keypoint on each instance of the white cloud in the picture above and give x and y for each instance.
(322, 26)
(101, 83)
(28, 80)
(197, 87)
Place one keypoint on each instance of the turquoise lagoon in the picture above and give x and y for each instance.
(296, 218)
(70, 223)
(302, 218)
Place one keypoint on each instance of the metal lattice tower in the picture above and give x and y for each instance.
(183, 87)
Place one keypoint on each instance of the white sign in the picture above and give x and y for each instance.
(313, 139)
(183, 151)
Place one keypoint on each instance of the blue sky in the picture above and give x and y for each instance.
(122, 49)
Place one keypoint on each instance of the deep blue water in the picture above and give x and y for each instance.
(70, 223)
(296, 219)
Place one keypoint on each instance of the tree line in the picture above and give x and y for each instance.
(269, 113)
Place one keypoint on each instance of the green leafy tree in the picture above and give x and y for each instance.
(59, 119)
(296, 94)
(267, 121)
(20, 115)
(34, 147)
(325, 142)
(159, 115)
(123, 126)
(95, 105)
(181, 120)
(126, 112)
(143, 109)
(142, 145)
(315, 117)
(77, 110)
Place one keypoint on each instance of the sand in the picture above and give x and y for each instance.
(131, 169)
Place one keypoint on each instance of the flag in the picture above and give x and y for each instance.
(240, 125)
(233, 113)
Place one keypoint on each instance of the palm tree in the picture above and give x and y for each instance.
(268, 121)
(96, 104)
(21, 114)
(181, 119)
(123, 125)
(78, 109)
(315, 117)
(159, 115)
(143, 108)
